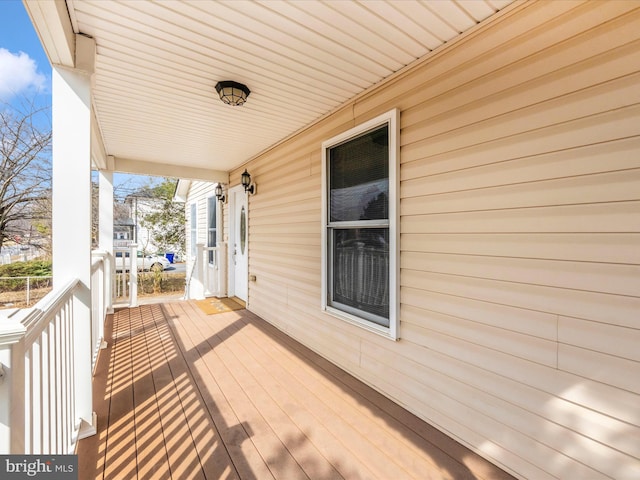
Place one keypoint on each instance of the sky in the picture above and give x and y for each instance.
(24, 69)
(25, 73)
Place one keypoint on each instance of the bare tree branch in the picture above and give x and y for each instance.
(25, 171)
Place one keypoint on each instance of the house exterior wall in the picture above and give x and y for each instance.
(520, 234)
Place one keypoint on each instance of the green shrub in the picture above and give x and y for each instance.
(34, 268)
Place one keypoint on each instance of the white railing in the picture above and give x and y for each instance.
(208, 272)
(124, 277)
(45, 385)
(101, 300)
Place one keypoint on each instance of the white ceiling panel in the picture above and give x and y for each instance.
(158, 63)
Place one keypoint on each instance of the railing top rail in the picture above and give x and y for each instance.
(35, 319)
(98, 257)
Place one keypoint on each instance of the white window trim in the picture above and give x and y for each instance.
(392, 118)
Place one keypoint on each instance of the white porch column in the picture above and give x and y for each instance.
(71, 218)
(105, 183)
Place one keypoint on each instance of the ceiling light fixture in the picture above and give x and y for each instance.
(232, 93)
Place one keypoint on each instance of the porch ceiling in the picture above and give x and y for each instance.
(158, 62)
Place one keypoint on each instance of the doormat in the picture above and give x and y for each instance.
(211, 306)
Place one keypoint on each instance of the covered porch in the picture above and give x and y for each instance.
(182, 394)
(512, 159)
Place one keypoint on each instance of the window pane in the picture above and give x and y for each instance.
(211, 226)
(361, 270)
(194, 231)
(359, 178)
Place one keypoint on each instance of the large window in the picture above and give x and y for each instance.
(211, 226)
(359, 224)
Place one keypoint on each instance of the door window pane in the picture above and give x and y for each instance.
(243, 230)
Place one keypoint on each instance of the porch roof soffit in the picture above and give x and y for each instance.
(156, 65)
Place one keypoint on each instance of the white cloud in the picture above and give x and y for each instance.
(18, 73)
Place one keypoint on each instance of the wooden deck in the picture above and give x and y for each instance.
(180, 394)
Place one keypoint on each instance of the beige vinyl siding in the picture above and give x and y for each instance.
(520, 241)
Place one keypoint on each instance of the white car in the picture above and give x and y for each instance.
(154, 263)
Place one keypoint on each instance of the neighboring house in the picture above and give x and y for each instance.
(461, 234)
(139, 206)
(123, 232)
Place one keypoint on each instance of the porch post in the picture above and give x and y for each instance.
(133, 275)
(71, 220)
(105, 209)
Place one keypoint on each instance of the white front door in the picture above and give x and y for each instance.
(238, 243)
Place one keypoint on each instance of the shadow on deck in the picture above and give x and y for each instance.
(180, 394)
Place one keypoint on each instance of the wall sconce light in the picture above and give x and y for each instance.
(232, 93)
(249, 187)
(219, 195)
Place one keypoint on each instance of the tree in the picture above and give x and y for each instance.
(25, 174)
(165, 223)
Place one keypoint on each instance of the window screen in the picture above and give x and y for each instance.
(358, 226)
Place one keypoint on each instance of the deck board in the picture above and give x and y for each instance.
(180, 394)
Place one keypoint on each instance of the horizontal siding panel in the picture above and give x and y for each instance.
(287, 261)
(284, 295)
(610, 339)
(283, 171)
(609, 126)
(607, 369)
(554, 99)
(591, 159)
(603, 398)
(289, 229)
(602, 188)
(600, 307)
(598, 277)
(584, 421)
(623, 217)
(581, 247)
(295, 216)
(308, 239)
(513, 319)
(294, 195)
(588, 68)
(275, 250)
(291, 277)
(530, 348)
